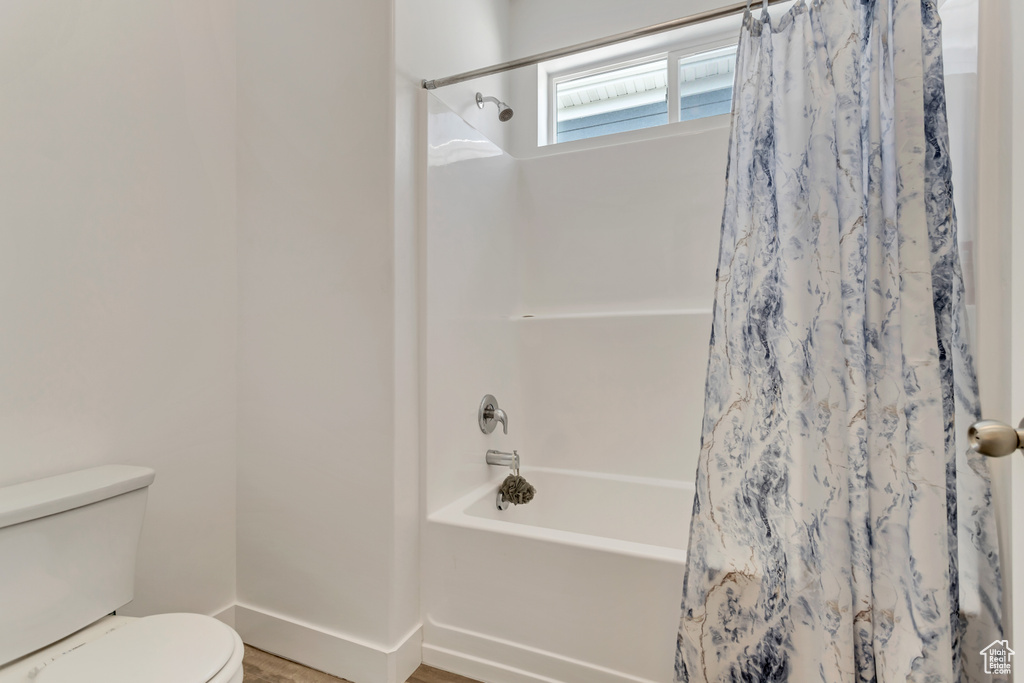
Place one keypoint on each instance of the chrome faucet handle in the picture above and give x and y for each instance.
(993, 438)
(490, 415)
(500, 416)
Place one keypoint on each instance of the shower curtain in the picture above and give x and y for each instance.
(841, 530)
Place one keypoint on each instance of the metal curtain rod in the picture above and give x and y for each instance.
(691, 20)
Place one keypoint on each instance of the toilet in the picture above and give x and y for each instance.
(67, 563)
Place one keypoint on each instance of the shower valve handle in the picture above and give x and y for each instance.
(490, 415)
(993, 438)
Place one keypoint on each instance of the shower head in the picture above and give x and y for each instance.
(504, 111)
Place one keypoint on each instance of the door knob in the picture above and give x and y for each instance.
(991, 437)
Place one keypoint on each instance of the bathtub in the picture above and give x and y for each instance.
(582, 585)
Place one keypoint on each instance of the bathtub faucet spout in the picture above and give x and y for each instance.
(504, 459)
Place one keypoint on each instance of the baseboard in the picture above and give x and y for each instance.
(226, 615)
(502, 661)
(408, 656)
(347, 657)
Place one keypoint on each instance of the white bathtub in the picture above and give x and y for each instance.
(582, 585)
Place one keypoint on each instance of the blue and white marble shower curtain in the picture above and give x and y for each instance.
(841, 530)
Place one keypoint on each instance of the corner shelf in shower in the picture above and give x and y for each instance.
(612, 314)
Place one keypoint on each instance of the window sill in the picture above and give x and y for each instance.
(695, 127)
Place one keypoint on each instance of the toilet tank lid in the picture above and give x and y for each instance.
(42, 497)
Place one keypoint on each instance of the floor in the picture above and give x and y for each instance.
(263, 667)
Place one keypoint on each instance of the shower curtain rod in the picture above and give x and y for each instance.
(691, 20)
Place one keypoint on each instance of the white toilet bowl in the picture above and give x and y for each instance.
(165, 648)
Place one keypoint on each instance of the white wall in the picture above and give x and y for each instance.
(541, 25)
(1000, 282)
(996, 241)
(318, 537)
(1013, 53)
(117, 268)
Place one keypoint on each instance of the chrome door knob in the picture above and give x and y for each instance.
(991, 437)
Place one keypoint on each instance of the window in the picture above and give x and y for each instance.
(620, 99)
(705, 84)
(642, 93)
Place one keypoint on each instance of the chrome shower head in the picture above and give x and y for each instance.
(504, 111)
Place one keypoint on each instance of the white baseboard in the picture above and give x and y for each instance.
(338, 655)
(226, 615)
(502, 661)
(407, 657)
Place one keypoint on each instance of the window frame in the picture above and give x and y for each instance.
(673, 54)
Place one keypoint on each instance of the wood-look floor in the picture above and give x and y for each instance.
(263, 667)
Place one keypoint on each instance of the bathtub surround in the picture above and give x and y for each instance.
(841, 383)
(567, 303)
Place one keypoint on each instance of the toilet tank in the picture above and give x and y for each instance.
(67, 552)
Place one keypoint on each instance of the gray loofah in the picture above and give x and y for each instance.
(517, 490)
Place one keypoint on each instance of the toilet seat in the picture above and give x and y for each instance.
(165, 648)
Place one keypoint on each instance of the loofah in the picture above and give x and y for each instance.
(517, 490)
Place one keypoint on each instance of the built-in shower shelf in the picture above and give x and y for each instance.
(613, 314)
